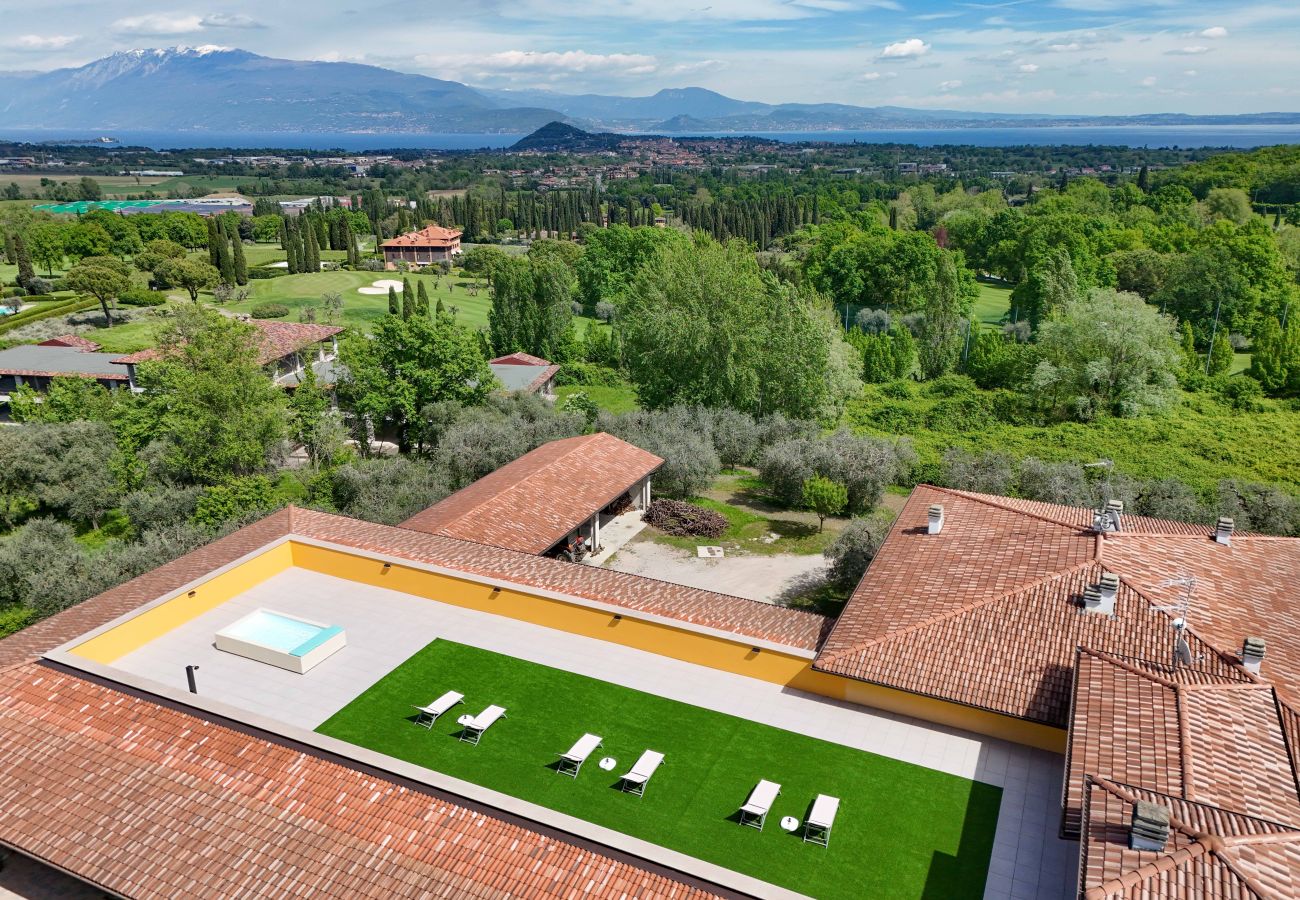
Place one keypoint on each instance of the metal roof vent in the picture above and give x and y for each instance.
(1223, 531)
(1109, 517)
(1252, 654)
(1100, 598)
(934, 524)
(1150, 830)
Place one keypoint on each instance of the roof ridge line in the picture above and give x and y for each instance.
(1187, 627)
(1125, 792)
(969, 607)
(1123, 663)
(983, 498)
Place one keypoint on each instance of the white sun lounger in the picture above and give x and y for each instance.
(817, 830)
(572, 761)
(429, 714)
(634, 781)
(754, 812)
(474, 729)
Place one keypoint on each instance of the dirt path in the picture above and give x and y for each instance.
(764, 578)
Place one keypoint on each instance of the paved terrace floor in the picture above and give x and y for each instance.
(385, 627)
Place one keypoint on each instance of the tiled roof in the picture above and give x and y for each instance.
(277, 340)
(747, 618)
(519, 359)
(534, 502)
(432, 236)
(987, 612)
(59, 360)
(1214, 737)
(1212, 853)
(71, 340)
(150, 801)
(528, 379)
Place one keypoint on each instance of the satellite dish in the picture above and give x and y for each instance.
(1182, 652)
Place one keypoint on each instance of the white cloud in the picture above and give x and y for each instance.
(551, 64)
(1190, 73)
(158, 23)
(1071, 47)
(1196, 50)
(870, 76)
(1027, 68)
(949, 85)
(1149, 81)
(42, 42)
(908, 49)
(229, 20)
(1216, 31)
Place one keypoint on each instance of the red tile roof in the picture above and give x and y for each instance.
(519, 359)
(1214, 737)
(534, 502)
(431, 236)
(1212, 853)
(987, 612)
(71, 340)
(150, 801)
(276, 339)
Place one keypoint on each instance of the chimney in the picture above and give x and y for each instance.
(1150, 830)
(1100, 598)
(1223, 531)
(935, 523)
(1252, 654)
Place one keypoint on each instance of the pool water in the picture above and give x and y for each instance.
(273, 630)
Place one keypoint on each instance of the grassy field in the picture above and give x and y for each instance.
(615, 399)
(112, 185)
(902, 830)
(993, 303)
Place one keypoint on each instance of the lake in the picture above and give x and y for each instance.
(1237, 136)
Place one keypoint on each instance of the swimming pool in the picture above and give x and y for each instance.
(281, 640)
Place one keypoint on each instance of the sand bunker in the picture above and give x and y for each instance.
(381, 286)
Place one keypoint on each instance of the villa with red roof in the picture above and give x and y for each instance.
(1125, 686)
(429, 245)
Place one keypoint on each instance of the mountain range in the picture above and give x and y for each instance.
(224, 90)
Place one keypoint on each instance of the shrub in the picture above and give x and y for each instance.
(263, 273)
(138, 296)
(854, 549)
(588, 375)
(269, 311)
(682, 519)
(38, 285)
(1240, 392)
(236, 499)
(14, 292)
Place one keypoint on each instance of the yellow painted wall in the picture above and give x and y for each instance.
(136, 632)
(689, 646)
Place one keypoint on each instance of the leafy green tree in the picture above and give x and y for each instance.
(406, 365)
(1051, 285)
(611, 258)
(855, 547)
(1220, 361)
(580, 402)
(825, 498)
(155, 253)
(208, 403)
(86, 239)
(312, 422)
(1109, 353)
(1187, 344)
(103, 277)
(45, 243)
(237, 498)
(193, 275)
(88, 189)
(1229, 203)
(66, 399)
(703, 325)
(945, 309)
(532, 308)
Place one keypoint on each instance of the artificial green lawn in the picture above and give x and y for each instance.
(902, 830)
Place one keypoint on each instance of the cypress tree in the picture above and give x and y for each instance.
(214, 238)
(440, 310)
(393, 307)
(291, 251)
(408, 303)
(406, 287)
(1144, 179)
(422, 300)
(11, 251)
(240, 261)
(225, 264)
(26, 271)
(313, 251)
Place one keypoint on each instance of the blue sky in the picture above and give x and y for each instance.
(1067, 56)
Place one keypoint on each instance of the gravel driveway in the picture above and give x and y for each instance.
(763, 578)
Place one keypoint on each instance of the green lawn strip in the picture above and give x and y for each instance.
(902, 830)
(127, 337)
(993, 303)
(613, 399)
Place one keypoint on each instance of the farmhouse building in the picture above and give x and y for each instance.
(427, 246)
(526, 374)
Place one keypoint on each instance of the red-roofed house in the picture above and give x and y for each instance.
(527, 373)
(536, 503)
(432, 244)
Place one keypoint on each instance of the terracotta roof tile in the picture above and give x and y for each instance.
(276, 340)
(431, 236)
(154, 802)
(70, 340)
(519, 359)
(987, 613)
(534, 502)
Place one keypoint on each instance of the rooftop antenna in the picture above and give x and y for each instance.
(1182, 609)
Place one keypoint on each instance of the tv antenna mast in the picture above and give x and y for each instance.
(1181, 610)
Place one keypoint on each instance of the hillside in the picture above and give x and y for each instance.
(560, 137)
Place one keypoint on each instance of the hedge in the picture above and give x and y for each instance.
(27, 316)
(269, 311)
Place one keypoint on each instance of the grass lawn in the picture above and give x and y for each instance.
(902, 830)
(127, 337)
(747, 528)
(615, 399)
(993, 303)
